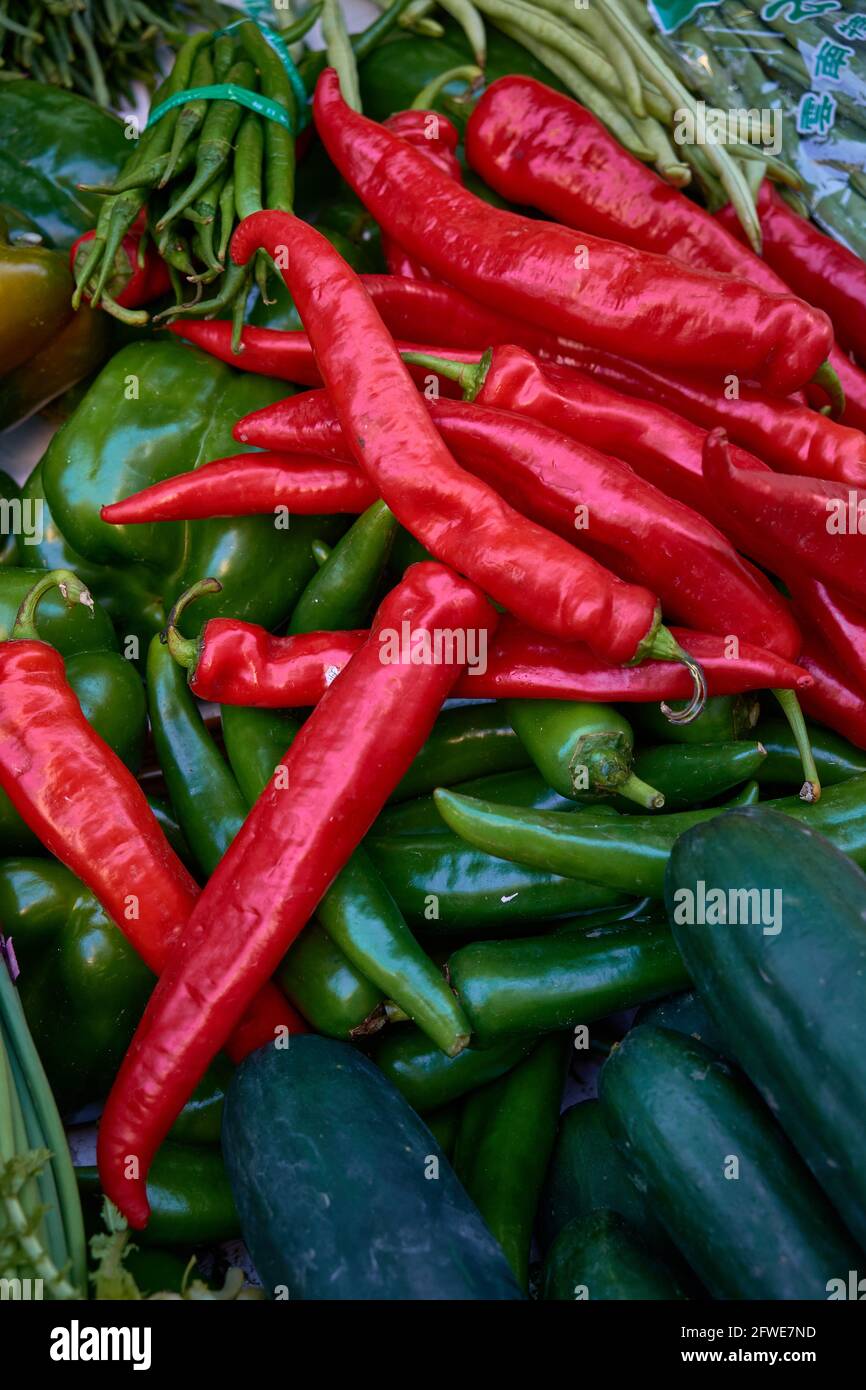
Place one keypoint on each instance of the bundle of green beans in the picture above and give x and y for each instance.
(96, 47)
(41, 1225)
(735, 60)
(207, 163)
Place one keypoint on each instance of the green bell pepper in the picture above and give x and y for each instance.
(53, 141)
(188, 1192)
(155, 410)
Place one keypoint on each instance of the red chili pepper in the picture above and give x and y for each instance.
(608, 296)
(833, 699)
(814, 265)
(841, 624)
(788, 436)
(340, 770)
(235, 663)
(436, 137)
(462, 521)
(535, 146)
(247, 484)
(138, 279)
(805, 524)
(87, 809)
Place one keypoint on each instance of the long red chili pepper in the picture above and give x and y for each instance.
(602, 505)
(807, 524)
(815, 266)
(340, 771)
(87, 809)
(244, 485)
(436, 137)
(790, 437)
(535, 146)
(604, 294)
(833, 699)
(463, 522)
(841, 624)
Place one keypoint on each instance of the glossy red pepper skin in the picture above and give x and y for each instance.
(790, 437)
(463, 522)
(834, 699)
(144, 282)
(535, 146)
(239, 664)
(805, 524)
(340, 770)
(245, 485)
(815, 266)
(841, 624)
(89, 811)
(606, 295)
(436, 137)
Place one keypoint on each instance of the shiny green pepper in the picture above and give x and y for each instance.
(188, 1193)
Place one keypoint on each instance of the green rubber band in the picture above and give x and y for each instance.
(225, 91)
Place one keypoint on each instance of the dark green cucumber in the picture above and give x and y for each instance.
(726, 1183)
(787, 988)
(599, 1256)
(428, 1078)
(686, 1013)
(541, 984)
(342, 1190)
(586, 1173)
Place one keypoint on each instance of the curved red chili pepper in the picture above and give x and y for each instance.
(247, 484)
(805, 524)
(236, 663)
(535, 146)
(833, 699)
(87, 809)
(609, 296)
(841, 624)
(815, 266)
(461, 521)
(340, 770)
(143, 279)
(437, 138)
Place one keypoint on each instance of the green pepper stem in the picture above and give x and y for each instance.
(185, 650)
(468, 73)
(828, 381)
(661, 645)
(635, 789)
(811, 788)
(72, 590)
(470, 376)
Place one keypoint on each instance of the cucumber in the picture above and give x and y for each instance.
(599, 1256)
(342, 1192)
(721, 1175)
(586, 1173)
(792, 1002)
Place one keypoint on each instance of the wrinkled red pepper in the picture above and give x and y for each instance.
(833, 699)
(340, 771)
(841, 624)
(436, 137)
(247, 484)
(87, 809)
(463, 522)
(609, 296)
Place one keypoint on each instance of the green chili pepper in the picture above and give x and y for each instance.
(469, 741)
(444, 1124)
(201, 1118)
(689, 773)
(836, 759)
(82, 986)
(443, 885)
(279, 142)
(504, 1142)
(190, 117)
(205, 795)
(543, 984)
(428, 1078)
(341, 593)
(188, 1193)
(525, 787)
(630, 853)
(723, 719)
(579, 747)
(227, 217)
(215, 143)
(170, 828)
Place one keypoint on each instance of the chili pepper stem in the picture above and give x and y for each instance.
(72, 590)
(635, 789)
(661, 645)
(828, 381)
(467, 73)
(601, 762)
(470, 376)
(811, 788)
(185, 650)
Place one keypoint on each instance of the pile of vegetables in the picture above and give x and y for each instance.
(432, 675)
